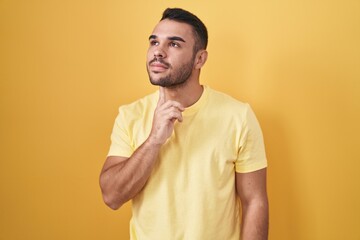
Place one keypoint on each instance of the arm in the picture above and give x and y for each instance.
(123, 178)
(251, 188)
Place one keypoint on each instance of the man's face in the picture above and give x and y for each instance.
(170, 57)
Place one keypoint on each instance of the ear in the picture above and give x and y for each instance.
(200, 58)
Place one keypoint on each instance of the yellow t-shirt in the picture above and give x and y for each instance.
(191, 194)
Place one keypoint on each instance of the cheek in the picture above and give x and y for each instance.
(185, 59)
(148, 57)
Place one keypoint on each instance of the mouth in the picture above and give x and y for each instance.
(158, 68)
(157, 65)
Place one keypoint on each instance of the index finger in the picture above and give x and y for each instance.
(161, 100)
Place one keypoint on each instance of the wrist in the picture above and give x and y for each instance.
(153, 142)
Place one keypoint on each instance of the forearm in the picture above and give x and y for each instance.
(255, 220)
(122, 181)
(123, 178)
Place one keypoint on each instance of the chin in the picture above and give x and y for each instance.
(157, 79)
(155, 82)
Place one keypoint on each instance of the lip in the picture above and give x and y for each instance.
(158, 67)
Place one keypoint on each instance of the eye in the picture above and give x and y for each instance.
(154, 43)
(174, 44)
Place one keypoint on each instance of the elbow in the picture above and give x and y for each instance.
(256, 204)
(111, 202)
(109, 196)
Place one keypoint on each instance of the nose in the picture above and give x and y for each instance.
(159, 52)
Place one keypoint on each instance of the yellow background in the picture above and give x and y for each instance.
(66, 66)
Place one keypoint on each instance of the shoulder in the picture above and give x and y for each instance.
(226, 103)
(140, 106)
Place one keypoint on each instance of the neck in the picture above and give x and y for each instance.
(186, 95)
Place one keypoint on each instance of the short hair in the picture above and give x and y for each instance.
(199, 28)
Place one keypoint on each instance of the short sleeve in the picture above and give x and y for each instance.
(120, 137)
(251, 152)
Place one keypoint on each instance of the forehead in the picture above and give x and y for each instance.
(169, 28)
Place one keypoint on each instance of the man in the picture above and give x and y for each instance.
(186, 153)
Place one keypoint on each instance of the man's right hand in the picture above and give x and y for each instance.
(165, 115)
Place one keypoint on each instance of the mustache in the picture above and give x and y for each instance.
(159, 60)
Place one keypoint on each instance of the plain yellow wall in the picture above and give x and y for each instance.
(66, 66)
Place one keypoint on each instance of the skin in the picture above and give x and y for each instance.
(251, 188)
(170, 54)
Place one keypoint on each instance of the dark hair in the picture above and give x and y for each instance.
(199, 29)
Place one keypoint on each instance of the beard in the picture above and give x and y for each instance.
(175, 79)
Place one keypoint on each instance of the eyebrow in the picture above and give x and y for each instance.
(173, 38)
